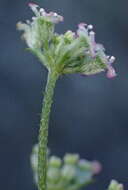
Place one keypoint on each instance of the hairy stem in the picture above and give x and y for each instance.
(43, 133)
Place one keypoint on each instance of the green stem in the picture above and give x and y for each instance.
(43, 133)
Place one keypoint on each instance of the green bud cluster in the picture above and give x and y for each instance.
(69, 173)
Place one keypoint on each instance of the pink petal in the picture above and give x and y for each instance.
(32, 5)
(111, 72)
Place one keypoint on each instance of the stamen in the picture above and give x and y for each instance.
(92, 34)
(43, 13)
(92, 37)
(55, 14)
(42, 10)
(90, 27)
(112, 59)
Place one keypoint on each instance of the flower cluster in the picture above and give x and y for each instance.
(96, 50)
(69, 173)
(66, 53)
(40, 30)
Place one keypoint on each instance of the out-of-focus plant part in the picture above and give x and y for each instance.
(68, 53)
(114, 185)
(69, 173)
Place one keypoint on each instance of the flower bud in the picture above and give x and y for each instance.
(53, 175)
(68, 172)
(71, 159)
(34, 158)
(84, 165)
(69, 35)
(54, 162)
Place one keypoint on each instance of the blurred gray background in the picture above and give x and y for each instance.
(89, 115)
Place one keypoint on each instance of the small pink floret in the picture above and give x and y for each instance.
(82, 24)
(31, 4)
(111, 72)
(96, 166)
(61, 18)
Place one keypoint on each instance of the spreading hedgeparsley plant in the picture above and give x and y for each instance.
(68, 53)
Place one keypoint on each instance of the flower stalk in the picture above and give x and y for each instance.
(43, 133)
